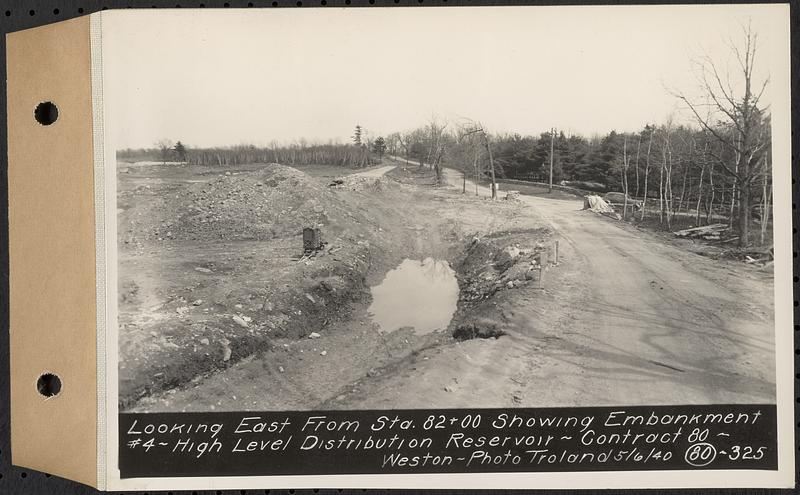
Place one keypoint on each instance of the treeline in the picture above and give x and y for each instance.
(677, 173)
(342, 155)
(718, 168)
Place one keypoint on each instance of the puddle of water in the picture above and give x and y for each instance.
(419, 294)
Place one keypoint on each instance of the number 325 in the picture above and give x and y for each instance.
(746, 453)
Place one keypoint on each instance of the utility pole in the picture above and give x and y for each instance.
(491, 162)
(552, 145)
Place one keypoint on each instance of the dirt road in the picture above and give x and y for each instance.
(648, 319)
(623, 319)
(375, 172)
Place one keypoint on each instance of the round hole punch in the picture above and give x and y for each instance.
(46, 113)
(48, 385)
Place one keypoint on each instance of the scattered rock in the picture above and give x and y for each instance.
(520, 271)
(506, 258)
(205, 341)
(449, 388)
(201, 269)
(226, 350)
(323, 353)
(314, 335)
(197, 302)
(481, 329)
(280, 369)
(240, 321)
(512, 251)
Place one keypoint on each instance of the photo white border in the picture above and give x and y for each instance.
(784, 477)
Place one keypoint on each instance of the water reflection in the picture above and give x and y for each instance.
(419, 294)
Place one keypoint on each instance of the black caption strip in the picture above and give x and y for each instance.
(448, 441)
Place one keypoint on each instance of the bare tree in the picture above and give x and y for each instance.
(700, 185)
(625, 164)
(478, 129)
(647, 170)
(638, 148)
(736, 119)
(392, 140)
(436, 146)
(664, 175)
(552, 152)
(766, 198)
(164, 147)
(404, 139)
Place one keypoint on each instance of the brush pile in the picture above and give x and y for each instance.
(711, 232)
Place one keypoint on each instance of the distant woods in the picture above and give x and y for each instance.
(364, 152)
(676, 174)
(349, 156)
(715, 167)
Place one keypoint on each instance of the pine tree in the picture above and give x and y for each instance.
(379, 146)
(357, 136)
(180, 151)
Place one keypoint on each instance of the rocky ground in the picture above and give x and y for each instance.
(213, 280)
(219, 309)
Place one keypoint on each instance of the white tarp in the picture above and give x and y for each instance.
(599, 205)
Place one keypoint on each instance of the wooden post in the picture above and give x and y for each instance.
(556, 251)
(491, 162)
(552, 143)
(542, 266)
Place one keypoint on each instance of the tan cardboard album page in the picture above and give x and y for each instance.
(52, 251)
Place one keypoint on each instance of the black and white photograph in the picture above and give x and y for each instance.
(372, 240)
(463, 208)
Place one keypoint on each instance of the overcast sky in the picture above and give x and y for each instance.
(226, 77)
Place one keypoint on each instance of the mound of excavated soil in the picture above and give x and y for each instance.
(498, 262)
(210, 269)
(277, 201)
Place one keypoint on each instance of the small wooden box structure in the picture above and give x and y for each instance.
(312, 239)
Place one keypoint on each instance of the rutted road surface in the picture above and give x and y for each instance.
(647, 305)
(624, 319)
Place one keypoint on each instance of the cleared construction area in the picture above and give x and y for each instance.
(415, 296)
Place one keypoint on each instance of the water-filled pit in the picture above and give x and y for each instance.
(418, 294)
